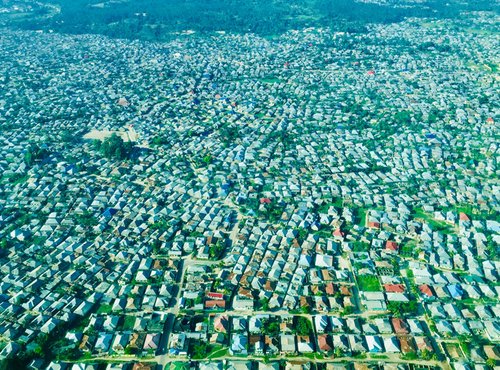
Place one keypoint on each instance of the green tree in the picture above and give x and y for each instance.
(97, 145)
(264, 304)
(207, 159)
(200, 350)
(399, 309)
(35, 153)
(347, 310)
(302, 325)
(491, 362)
(130, 350)
(216, 250)
(114, 147)
(4, 244)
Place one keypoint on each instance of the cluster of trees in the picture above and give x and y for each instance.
(200, 350)
(378, 13)
(228, 135)
(270, 327)
(114, 147)
(4, 247)
(399, 309)
(302, 325)
(35, 153)
(216, 250)
(86, 219)
(47, 346)
(160, 140)
(158, 19)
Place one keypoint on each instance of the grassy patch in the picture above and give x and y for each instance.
(313, 356)
(128, 323)
(430, 25)
(104, 308)
(218, 352)
(482, 31)
(358, 246)
(381, 357)
(409, 248)
(368, 283)
(271, 80)
(179, 366)
(436, 225)
(361, 216)
(15, 179)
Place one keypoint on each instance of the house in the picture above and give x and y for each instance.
(103, 342)
(215, 296)
(374, 343)
(255, 323)
(407, 344)
(152, 341)
(338, 235)
(304, 344)
(239, 365)
(391, 246)
(242, 304)
(238, 345)
(492, 351)
(357, 343)
(269, 366)
(212, 365)
(392, 345)
(400, 326)
(120, 342)
(10, 350)
(341, 342)
(86, 344)
(287, 342)
(239, 324)
(337, 324)
(492, 329)
(215, 304)
(271, 345)
(415, 326)
(57, 366)
(383, 325)
(255, 341)
(217, 338)
(325, 343)
(394, 288)
(423, 344)
(221, 323)
(178, 344)
(203, 253)
(445, 328)
(323, 260)
(373, 225)
(456, 291)
(321, 323)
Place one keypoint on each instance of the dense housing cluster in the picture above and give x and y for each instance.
(319, 199)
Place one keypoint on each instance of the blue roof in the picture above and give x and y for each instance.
(455, 290)
(110, 212)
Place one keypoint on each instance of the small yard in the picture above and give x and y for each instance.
(218, 352)
(128, 323)
(368, 283)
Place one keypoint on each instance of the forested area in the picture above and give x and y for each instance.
(160, 19)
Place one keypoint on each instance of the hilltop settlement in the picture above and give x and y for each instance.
(314, 200)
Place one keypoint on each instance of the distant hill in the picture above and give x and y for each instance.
(159, 19)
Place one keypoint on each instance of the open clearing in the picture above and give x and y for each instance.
(129, 135)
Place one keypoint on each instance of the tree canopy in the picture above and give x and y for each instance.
(114, 147)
